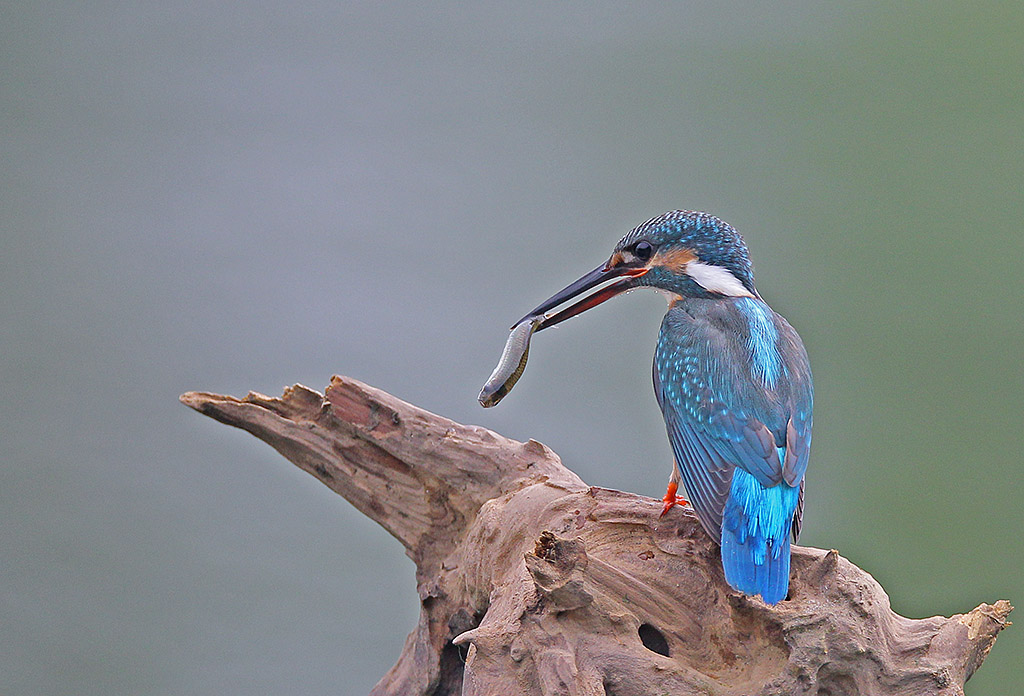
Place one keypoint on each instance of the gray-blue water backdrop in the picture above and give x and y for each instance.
(235, 196)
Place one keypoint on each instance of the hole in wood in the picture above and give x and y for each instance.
(653, 639)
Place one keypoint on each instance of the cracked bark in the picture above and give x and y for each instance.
(531, 582)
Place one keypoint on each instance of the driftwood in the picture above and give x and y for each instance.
(532, 582)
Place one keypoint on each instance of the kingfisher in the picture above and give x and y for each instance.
(733, 382)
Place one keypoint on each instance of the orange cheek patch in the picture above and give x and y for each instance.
(674, 260)
(617, 259)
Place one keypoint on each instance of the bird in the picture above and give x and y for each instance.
(733, 381)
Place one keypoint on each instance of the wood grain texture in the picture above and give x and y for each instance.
(532, 583)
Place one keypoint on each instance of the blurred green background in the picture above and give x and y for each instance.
(231, 197)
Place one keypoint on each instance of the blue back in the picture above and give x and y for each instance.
(734, 384)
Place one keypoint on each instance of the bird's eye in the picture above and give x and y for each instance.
(643, 250)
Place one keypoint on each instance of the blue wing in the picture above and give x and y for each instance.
(720, 411)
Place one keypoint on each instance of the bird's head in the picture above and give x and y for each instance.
(682, 253)
(689, 254)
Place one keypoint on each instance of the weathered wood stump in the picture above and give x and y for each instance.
(532, 582)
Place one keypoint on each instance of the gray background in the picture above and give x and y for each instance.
(233, 197)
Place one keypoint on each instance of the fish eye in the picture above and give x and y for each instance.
(643, 250)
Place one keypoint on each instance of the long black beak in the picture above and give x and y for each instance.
(601, 274)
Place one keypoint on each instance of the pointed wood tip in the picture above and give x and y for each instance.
(201, 401)
(987, 619)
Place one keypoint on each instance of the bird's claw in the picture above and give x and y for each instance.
(669, 504)
(671, 499)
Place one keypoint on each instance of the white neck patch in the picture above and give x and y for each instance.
(716, 279)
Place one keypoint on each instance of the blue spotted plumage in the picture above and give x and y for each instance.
(734, 385)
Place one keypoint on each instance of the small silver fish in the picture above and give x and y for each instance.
(512, 363)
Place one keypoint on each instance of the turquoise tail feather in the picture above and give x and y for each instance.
(755, 537)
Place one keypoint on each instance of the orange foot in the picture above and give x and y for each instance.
(671, 499)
